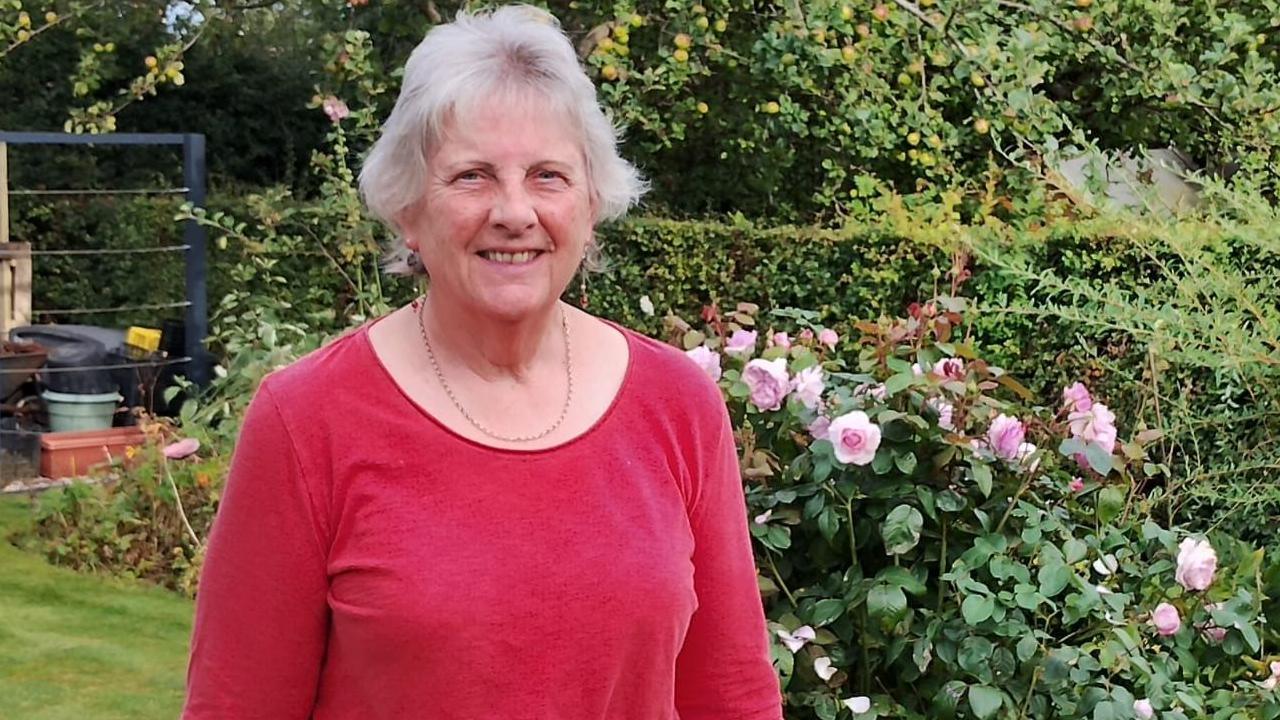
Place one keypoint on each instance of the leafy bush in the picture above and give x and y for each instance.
(931, 546)
(1192, 340)
(278, 265)
(790, 111)
(951, 551)
(146, 520)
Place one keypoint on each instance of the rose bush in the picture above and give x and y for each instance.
(934, 544)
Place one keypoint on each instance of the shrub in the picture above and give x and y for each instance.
(930, 545)
(147, 520)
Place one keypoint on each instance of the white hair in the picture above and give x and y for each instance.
(516, 49)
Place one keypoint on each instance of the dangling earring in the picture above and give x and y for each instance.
(584, 269)
(415, 263)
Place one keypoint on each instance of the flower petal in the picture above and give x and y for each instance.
(859, 704)
(182, 448)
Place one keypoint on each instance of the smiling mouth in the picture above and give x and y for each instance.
(510, 258)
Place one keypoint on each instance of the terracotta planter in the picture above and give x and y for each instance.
(70, 454)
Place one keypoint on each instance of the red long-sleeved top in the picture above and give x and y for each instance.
(367, 562)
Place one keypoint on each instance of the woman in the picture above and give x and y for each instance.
(487, 504)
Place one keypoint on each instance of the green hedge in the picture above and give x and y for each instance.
(859, 272)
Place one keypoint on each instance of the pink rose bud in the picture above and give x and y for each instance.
(707, 359)
(1143, 709)
(335, 109)
(1076, 398)
(1213, 634)
(1166, 619)
(1005, 436)
(1076, 485)
(742, 343)
(768, 382)
(829, 338)
(855, 438)
(1197, 563)
(806, 335)
(782, 340)
(819, 427)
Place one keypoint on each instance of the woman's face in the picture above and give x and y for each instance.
(506, 213)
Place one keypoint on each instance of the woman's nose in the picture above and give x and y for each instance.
(513, 209)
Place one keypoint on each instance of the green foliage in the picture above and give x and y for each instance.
(946, 578)
(149, 523)
(782, 111)
(90, 281)
(1191, 340)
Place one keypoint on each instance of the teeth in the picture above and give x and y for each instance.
(511, 258)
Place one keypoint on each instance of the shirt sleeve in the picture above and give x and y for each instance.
(723, 671)
(261, 618)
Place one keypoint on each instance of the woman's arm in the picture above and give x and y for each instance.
(723, 671)
(261, 613)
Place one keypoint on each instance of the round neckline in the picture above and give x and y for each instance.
(592, 429)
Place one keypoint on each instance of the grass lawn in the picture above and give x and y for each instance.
(79, 647)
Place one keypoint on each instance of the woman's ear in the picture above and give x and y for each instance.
(407, 228)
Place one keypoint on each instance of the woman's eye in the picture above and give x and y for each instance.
(549, 175)
(469, 176)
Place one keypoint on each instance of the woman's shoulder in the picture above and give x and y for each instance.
(337, 367)
(664, 375)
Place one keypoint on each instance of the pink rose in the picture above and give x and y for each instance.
(1096, 425)
(1077, 399)
(819, 427)
(782, 340)
(946, 413)
(949, 369)
(742, 342)
(182, 448)
(707, 359)
(1005, 436)
(829, 338)
(335, 109)
(1166, 619)
(1076, 485)
(1197, 562)
(768, 382)
(1143, 709)
(855, 438)
(808, 387)
(806, 335)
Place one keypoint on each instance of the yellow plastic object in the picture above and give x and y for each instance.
(147, 339)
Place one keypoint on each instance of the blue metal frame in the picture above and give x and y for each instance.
(194, 173)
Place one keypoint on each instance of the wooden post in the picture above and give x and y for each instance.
(15, 263)
(15, 286)
(4, 192)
